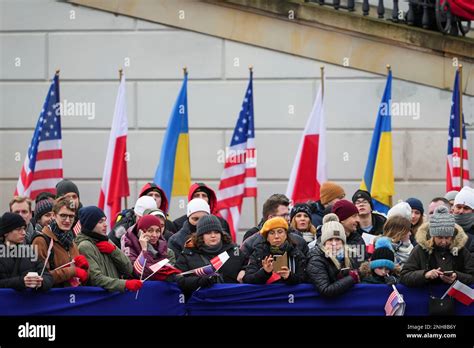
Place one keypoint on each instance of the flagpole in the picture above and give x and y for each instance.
(254, 198)
(442, 297)
(460, 127)
(389, 68)
(322, 82)
(120, 80)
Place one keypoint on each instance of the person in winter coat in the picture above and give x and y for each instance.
(156, 192)
(196, 209)
(66, 188)
(22, 206)
(108, 265)
(14, 270)
(64, 249)
(370, 221)
(127, 219)
(200, 190)
(277, 242)
(398, 229)
(440, 256)
(417, 212)
(330, 193)
(146, 247)
(463, 210)
(348, 215)
(330, 268)
(208, 242)
(381, 268)
(300, 218)
(43, 215)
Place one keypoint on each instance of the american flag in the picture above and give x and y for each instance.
(239, 178)
(395, 304)
(139, 264)
(453, 172)
(43, 167)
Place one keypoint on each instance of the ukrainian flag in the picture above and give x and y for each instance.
(378, 178)
(174, 170)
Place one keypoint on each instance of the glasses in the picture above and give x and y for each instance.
(64, 217)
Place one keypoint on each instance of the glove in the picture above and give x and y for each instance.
(390, 280)
(81, 262)
(206, 282)
(82, 275)
(133, 284)
(105, 247)
(355, 276)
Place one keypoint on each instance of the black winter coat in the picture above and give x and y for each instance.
(255, 274)
(425, 257)
(192, 258)
(322, 272)
(14, 269)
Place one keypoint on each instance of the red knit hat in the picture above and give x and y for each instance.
(344, 209)
(147, 221)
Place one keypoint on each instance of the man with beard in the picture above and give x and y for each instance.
(464, 214)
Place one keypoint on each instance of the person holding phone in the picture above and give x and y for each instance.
(440, 256)
(330, 268)
(276, 243)
(18, 272)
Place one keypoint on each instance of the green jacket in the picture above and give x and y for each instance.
(105, 270)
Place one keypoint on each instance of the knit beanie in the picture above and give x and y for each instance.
(402, 209)
(43, 207)
(66, 186)
(155, 212)
(332, 228)
(365, 195)
(147, 221)
(383, 255)
(208, 223)
(143, 203)
(90, 216)
(300, 208)
(273, 223)
(415, 203)
(344, 209)
(451, 195)
(197, 204)
(329, 191)
(465, 197)
(10, 222)
(441, 223)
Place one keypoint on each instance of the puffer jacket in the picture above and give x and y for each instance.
(426, 257)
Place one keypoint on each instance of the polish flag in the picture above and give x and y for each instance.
(309, 167)
(462, 293)
(115, 179)
(218, 261)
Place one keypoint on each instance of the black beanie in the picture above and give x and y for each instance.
(208, 223)
(9, 222)
(365, 195)
(66, 186)
(300, 208)
(90, 216)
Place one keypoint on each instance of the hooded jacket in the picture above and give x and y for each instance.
(179, 222)
(426, 257)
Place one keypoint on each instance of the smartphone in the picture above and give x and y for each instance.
(345, 271)
(448, 273)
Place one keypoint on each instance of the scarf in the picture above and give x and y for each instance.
(159, 250)
(402, 251)
(97, 237)
(275, 250)
(65, 238)
(214, 250)
(465, 221)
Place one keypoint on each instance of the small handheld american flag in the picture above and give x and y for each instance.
(209, 270)
(395, 305)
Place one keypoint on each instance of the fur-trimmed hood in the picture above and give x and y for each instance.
(365, 271)
(426, 241)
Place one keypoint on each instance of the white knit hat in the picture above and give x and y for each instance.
(402, 209)
(144, 203)
(465, 197)
(332, 228)
(198, 204)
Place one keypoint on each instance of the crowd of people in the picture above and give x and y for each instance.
(333, 243)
